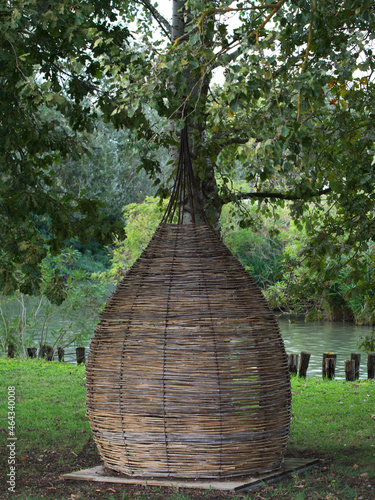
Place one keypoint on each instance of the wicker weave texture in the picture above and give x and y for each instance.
(187, 374)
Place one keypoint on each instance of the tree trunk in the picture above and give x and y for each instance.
(194, 107)
(178, 22)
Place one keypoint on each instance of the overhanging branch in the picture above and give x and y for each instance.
(229, 137)
(273, 195)
(162, 22)
(235, 43)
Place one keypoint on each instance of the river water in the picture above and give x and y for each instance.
(317, 337)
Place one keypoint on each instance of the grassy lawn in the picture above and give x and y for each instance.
(331, 420)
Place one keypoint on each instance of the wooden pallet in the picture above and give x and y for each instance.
(290, 466)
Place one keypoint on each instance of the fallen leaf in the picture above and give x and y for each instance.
(23, 458)
(355, 466)
(365, 474)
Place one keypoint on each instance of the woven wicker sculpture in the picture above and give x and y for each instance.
(187, 374)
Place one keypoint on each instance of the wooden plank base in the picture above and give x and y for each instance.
(290, 466)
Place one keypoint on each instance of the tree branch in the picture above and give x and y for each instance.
(233, 55)
(303, 67)
(226, 10)
(229, 137)
(266, 194)
(165, 26)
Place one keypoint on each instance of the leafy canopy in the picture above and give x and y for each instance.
(51, 57)
(293, 119)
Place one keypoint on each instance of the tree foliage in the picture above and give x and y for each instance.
(49, 57)
(294, 114)
(108, 169)
(141, 220)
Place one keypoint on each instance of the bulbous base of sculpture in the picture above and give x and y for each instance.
(187, 375)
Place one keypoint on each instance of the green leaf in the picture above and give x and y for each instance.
(193, 64)
(195, 38)
(235, 105)
(284, 131)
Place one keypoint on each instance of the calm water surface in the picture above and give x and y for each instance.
(317, 337)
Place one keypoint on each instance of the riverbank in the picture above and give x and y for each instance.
(333, 421)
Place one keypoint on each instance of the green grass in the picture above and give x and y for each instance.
(334, 418)
(50, 403)
(331, 420)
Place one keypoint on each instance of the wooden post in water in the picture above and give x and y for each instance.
(371, 365)
(50, 353)
(303, 364)
(330, 368)
(80, 355)
(327, 355)
(293, 363)
(60, 353)
(350, 370)
(10, 351)
(46, 351)
(31, 352)
(356, 357)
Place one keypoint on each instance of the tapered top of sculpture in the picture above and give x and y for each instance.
(185, 205)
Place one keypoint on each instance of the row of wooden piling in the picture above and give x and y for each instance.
(47, 352)
(351, 365)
